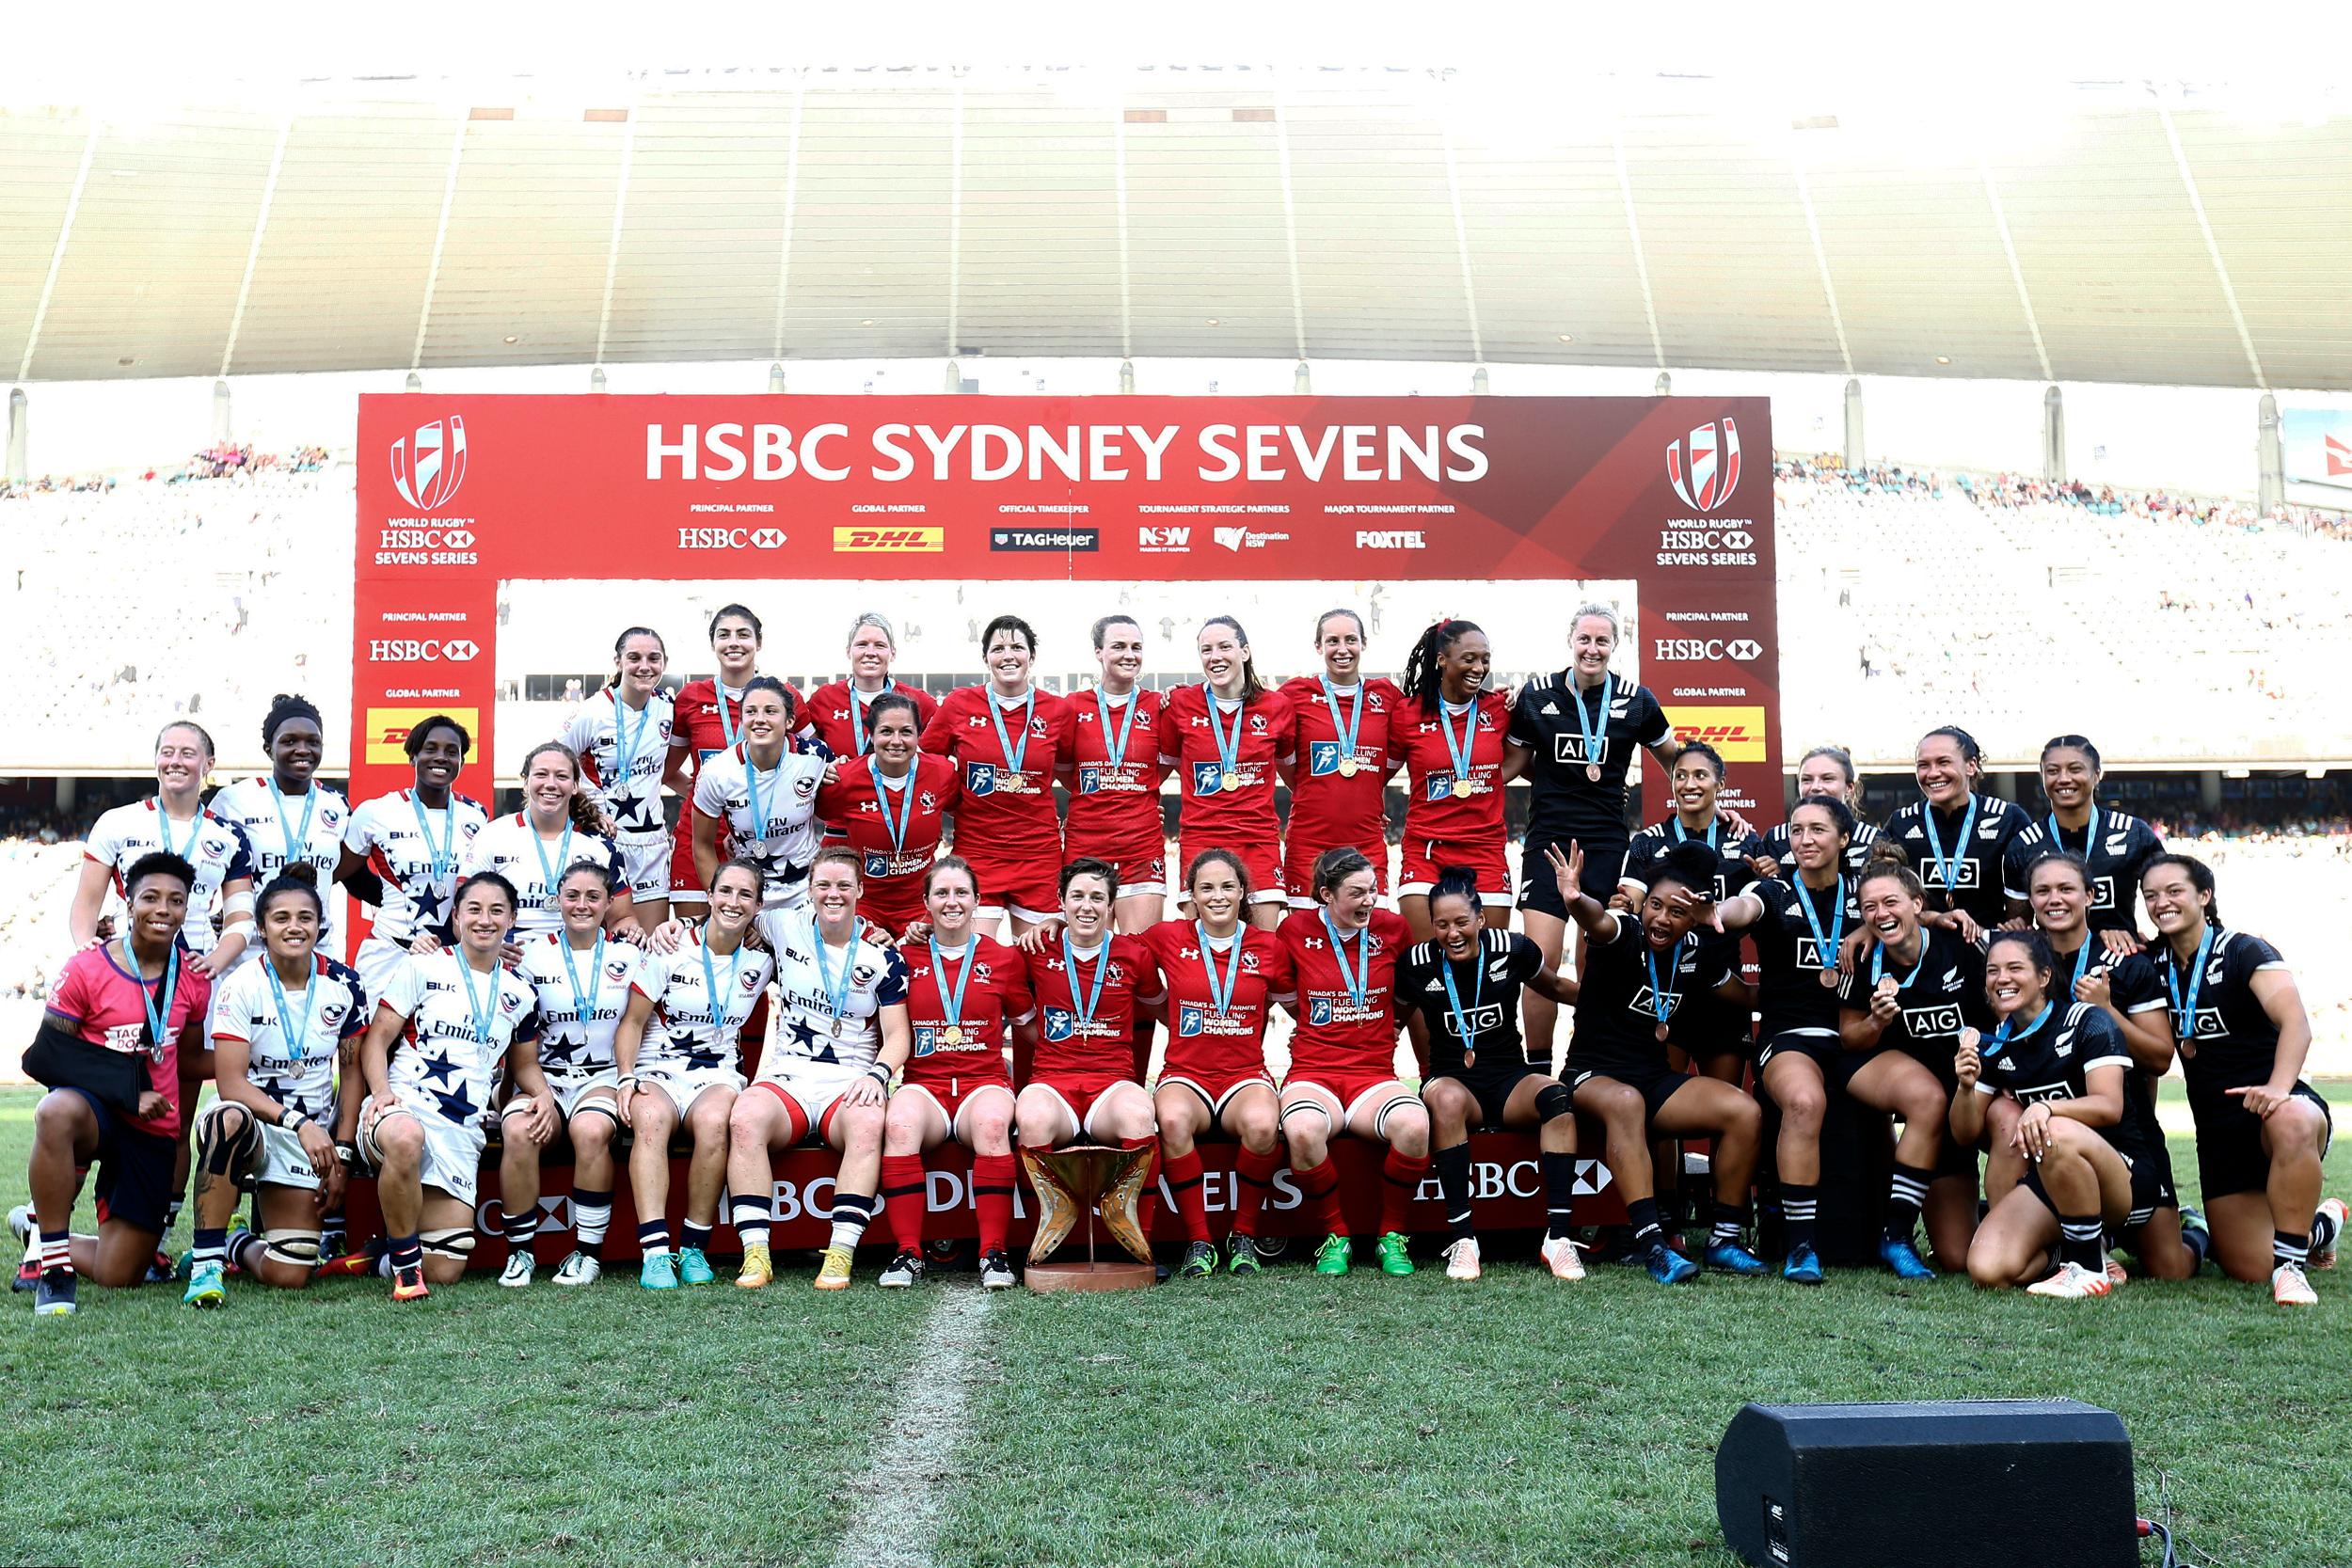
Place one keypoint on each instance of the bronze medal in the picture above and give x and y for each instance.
(1463, 789)
(1829, 977)
(1592, 771)
(1661, 1032)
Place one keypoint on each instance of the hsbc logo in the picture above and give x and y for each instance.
(1391, 539)
(429, 465)
(1706, 471)
(425, 538)
(730, 538)
(398, 650)
(1164, 541)
(1688, 650)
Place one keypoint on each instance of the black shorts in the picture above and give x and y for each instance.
(1492, 1090)
(132, 1179)
(2230, 1157)
(1656, 1084)
(1838, 1064)
(1954, 1158)
(2152, 1187)
(1539, 890)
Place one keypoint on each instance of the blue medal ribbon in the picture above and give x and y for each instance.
(1221, 996)
(1014, 754)
(722, 1002)
(443, 855)
(2082, 960)
(951, 1002)
(1950, 864)
(554, 874)
(1877, 964)
(1661, 998)
(2185, 1006)
(1114, 747)
(1829, 943)
(484, 1019)
(904, 789)
(1358, 981)
(1596, 733)
(2009, 1030)
(727, 727)
(1085, 1009)
(1714, 829)
(1462, 1029)
(836, 991)
(624, 742)
(1350, 726)
(857, 718)
(1228, 754)
(759, 797)
(158, 1006)
(163, 830)
(297, 1033)
(296, 842)
(1461, 753)
(2090, 839)
(583, 1001)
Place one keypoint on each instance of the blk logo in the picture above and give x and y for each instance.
(1706, 473)
(430, 465)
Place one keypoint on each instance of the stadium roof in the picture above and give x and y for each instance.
(2111, 234)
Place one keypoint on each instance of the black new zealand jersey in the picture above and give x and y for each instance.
(2228, 1042)
(1617, 1006)
(2116, 853)
(1963, 862)
(1487, 986)
(1564, 802)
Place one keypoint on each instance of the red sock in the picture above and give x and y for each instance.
(1321, 1187)
(904, 1198)
(1400, 1177)
(1253, 1178)
(1183, 1178)
(992, 1180)
(1147, 1206)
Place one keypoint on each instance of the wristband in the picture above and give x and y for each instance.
(293, 1121)
(880, 1073)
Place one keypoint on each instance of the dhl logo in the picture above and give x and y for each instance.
(387, 729)
(880, 541)
(1737, 733)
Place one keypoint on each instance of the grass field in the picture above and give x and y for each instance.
(1289, 1421)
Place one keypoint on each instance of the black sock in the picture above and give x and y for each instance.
(693, 1235)
(405, 1252)
(210, 1244)
(1799, 1206)
(1730, 1219)
(1643, 1213)
(521, 1228)
(653, 1238)
(2083, 1240)
(1559, 1192)
(2198, 1240)
(2323, 1232)
(1454, 1184)
(2286, 1247)
(242, 1251)
(1906, 1195)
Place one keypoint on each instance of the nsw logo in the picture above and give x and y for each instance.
(429, 465)
(1706, 472)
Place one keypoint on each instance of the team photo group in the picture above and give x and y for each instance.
(886, 922)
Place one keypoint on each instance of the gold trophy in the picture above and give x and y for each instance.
(1069, 1184)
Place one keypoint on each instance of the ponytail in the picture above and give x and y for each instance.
(1422, 682)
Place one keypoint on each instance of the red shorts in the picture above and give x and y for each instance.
(1031, 887)
(686, 884)
(893, 906)
(1298, 868)
(1263, 861)
(1081, 1092)
(951, 1094)
(1347, 1092)
(1217, 1090)
(1424, 858)
(1141, 862)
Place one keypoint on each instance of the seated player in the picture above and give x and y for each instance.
(1343, 1076)
(679, 1050)
(284, 1052)
(139, 995)
(1639, 969)
(2262, 1132)
(445, 1022)
(1223, 978)
(963, 991)
(583, 977)
(1465, 983)
(2086, 1167)
(841, 1032)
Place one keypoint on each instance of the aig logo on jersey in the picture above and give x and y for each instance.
(430, 465)
(1942, 1020)
(2209, 1026)
(1483, 1021)
(1967, 873)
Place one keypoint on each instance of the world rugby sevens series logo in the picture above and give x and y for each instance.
(1710, 471)
(429, 466)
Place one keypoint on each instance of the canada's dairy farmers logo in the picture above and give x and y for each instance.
(430, 465)
(1706, 476)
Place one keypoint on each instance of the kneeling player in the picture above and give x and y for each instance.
(964, 991)
(282, 1028)
(1075, 1058)
(2064, 1063)
(1465, 983)
(583, 977)
(1638, 969)
(686, 1068)
(445, 1022)
(1343, 1076)
(1223, 978)
(841, 1030)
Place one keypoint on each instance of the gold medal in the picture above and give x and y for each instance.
(1592, 771)
(1347, 767)
(1231, 781)
(1463, 789)
(951, 1037)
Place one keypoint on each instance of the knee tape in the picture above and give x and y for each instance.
(447, 1244)
(1553, 1102)
(1380, 1117)
(297, 1247)
(227, 1139)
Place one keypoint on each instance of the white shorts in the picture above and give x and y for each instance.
(645, 861)
(375, 963)
(568, 1088)
(452, 1154)
(815, 1089)
(283, 1163)
(684, 1084)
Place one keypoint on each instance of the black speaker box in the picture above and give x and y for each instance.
(1959, 1484)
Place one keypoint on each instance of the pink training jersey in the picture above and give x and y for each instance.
(106, 1003)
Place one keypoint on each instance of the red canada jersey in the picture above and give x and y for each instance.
(1329, 807)
(838, 715)
(1007, 813)
(996, 994)
(854, 808)
(1105, 1045)
(1212, 815)
(1334, 1034)
(1114, 800)
(1417, 742)
(1203, 1043)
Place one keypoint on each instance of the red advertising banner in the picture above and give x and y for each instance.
(458, 493)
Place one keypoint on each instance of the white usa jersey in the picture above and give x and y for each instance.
(805, 1016)
(686, 1031)
(629, 786)
(214, 845)
(445, 1066)
(573, 1043)
(511, 847)
(299, 1075)
(402, 839)
(276, 833)
(787, 835)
